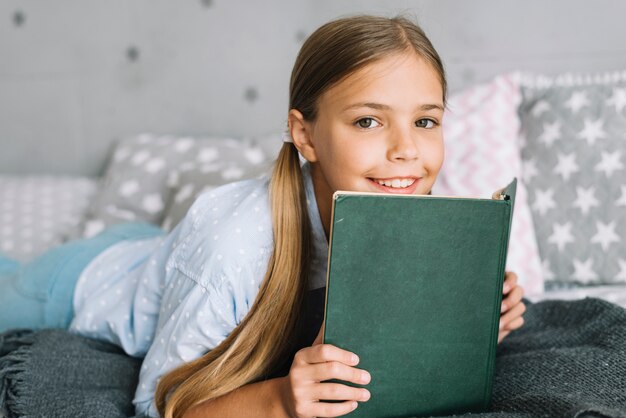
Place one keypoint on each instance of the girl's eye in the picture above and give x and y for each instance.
(366, 123)
(426, 123)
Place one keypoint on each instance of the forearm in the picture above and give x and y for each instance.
(261, 399)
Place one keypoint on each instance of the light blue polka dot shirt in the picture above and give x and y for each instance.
(173, 298)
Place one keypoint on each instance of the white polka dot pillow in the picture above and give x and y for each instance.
(40, 212)
(135, 186)
(215, 165)
(481, 128)
(574, 163)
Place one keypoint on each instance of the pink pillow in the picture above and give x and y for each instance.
(481, 131)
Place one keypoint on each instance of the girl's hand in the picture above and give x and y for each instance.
(303, 387)
(512, 306)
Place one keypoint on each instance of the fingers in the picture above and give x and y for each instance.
(513, 298)
(323, 353)
(515, 313)
(308, 382)
(510, 281)
(502, 334)
(512, 306)
(325, 409)
(336, 370)
(515, 324)
(336, 391)
(325, 362)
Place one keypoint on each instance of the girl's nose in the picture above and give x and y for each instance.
(402, 145)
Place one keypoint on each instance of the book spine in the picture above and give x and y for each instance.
(506, 220)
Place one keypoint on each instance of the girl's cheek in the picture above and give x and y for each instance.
(433, 158)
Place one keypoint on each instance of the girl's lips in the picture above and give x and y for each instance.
(407, 190)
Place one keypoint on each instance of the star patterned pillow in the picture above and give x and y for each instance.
(481, 127)
(574, 164)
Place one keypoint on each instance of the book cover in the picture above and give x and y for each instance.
(414, 288)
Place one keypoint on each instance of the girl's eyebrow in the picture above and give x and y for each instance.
(380, 106)
(431, 107)
(377, 106)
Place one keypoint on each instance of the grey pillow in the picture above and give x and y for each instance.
(135, 186)
(229, 161)
(574, 164)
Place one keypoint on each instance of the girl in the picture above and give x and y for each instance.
(227, 308)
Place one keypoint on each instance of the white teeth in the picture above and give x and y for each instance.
(396, 183)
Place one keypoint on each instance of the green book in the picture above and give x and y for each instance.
(414, 288)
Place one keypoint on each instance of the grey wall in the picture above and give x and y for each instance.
(76, 75)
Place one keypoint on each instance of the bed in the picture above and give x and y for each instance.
(568, 360)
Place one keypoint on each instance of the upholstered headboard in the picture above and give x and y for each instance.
(77, 75)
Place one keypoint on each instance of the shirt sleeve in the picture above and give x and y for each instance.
(195, 317)
(212, 275)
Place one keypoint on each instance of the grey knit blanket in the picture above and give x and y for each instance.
(53, 373)
(569, 360)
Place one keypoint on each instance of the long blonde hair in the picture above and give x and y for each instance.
(259, 343)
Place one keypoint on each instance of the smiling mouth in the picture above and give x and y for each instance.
(396, 183)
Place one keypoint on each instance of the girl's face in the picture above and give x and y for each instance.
(377, 130)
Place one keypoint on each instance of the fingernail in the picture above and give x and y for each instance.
(505, 289)
(501, 324)
(355, 358)
(503, 307)
(365, 376)
(354, 405)
(365, 394)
